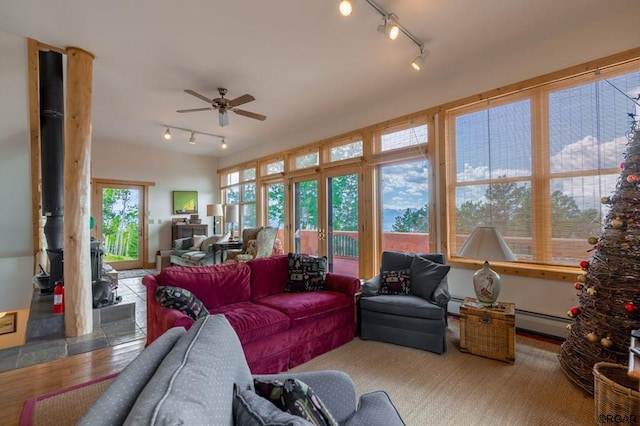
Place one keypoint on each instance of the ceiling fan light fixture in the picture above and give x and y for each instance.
(345, 8)
(223, 144)
(223, 118)
(390, 28)
(167, 134)
(192, 139)
(418, 61)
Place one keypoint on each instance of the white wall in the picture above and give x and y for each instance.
(16, 246)
(169, 171)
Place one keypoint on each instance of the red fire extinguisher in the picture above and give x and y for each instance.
(58, 298)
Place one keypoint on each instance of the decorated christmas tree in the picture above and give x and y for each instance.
(609, 284)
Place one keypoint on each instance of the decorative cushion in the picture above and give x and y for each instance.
(182, 300)
(251, 409)
(278, 250)
(193, 255)
(252, 248)
(306, 273)
(208, 241)
(395, 282)
(425, 276)
(197, 241)
(295, 397)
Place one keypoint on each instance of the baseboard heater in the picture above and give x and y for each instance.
(533, 322)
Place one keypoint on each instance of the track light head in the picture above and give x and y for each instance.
(223, 144)
(345, 8)
(390, 27)
(167, 134)
(419, 60)
(192, 139)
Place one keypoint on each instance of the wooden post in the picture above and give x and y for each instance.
(78, 318)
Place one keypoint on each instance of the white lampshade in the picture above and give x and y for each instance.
(231, 213)
(486, 243)
(214, 210)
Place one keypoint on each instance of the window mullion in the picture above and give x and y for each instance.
(541, 227)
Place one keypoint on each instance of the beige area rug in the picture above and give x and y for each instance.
(428, 389)
(463, 389)
(63, 407)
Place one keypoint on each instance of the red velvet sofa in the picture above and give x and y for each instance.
(278, 330)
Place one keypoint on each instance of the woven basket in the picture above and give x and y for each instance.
(616, 394)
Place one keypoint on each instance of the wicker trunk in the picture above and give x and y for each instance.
(488, 332)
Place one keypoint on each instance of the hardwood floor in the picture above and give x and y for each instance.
(16, 386)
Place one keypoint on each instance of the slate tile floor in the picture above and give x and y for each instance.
(106, 331)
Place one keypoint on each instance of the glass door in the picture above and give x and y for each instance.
(120, 224)
(342, 223)
(307, 235)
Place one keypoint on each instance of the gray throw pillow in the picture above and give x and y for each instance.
(425, 276)
(250, 409)
(396, 260)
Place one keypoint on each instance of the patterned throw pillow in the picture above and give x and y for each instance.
(252, 248)
(395, 282)
(295, 397)
(306, 273)
(182, 300)
(250, 409)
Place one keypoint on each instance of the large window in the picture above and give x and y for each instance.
(239, 188)
(404, 207)
(536, 164)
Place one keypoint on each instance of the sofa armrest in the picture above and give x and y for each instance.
(371, 287)
(440, 295)
(343, 283)
(335, 388)
(376, 408)
(182, 243)
(159, 318)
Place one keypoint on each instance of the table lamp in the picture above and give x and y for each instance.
(215, 211)
(485, 242)
(231, 216)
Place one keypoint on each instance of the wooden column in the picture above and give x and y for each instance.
(78, 318)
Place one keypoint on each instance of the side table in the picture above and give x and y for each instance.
(222, 248)
(488, 331)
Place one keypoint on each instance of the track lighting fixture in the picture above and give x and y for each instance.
(391, 28)
(192, 137)
(223, 144)
(418, 62)
(346, 7)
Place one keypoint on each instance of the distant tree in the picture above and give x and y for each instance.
(275, 202)
(412, 220)
(344, 202)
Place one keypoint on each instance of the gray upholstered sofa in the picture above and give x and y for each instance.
(186, 254)
(417, 319)
(189, 377)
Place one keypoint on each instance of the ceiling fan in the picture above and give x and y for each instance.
(223, 105)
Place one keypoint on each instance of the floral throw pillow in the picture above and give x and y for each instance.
(306, 273)
(395, 282)
(295, 397)
(182, 300)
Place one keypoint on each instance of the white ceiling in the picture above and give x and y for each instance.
(314, 73)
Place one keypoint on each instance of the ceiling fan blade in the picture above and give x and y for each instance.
(195, 109)
(198, 95)
(241, 100)
(250, 114)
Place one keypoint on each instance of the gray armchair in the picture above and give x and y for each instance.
(417, 319)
